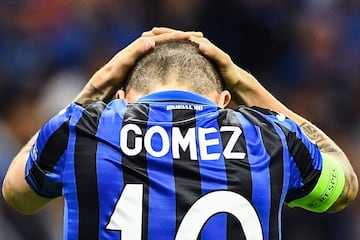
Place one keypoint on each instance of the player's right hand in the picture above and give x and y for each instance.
(230, 72)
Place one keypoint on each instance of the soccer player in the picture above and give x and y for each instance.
(167, 160)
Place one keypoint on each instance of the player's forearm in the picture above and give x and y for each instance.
(330, 148)
(247, 90)
(100, 87)
(252, 93)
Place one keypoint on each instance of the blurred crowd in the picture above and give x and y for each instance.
(307, 52)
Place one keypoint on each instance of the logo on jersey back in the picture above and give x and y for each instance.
(184, 106)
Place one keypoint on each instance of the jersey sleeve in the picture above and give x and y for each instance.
(316, 180)
(327, 189)
(305, 161)
(43, 170)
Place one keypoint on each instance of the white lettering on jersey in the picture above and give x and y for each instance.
(187, 141)
(183, 106)
(203, 140)
(204, 143)
(124, 135)
(165, 146)
(228, 150)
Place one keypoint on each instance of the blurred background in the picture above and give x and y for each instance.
(306, 52)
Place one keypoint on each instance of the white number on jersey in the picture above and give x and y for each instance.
(127, 216)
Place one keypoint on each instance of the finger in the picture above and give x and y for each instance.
(175, 35)
(129, 55)
(212, 52)
(162, 30)
(157, 31)
(199, 39)
(196, 34)
(143, 44)
(147, 33)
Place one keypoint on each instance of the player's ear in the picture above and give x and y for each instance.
(224, 99)
(120, 94)
(130, 96)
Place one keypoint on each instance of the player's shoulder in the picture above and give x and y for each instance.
(259, 115)
(256, 110)
(267, 118)
(97, 106)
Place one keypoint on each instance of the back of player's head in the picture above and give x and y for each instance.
(175, 60)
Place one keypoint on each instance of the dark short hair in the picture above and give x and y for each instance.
(180, 59)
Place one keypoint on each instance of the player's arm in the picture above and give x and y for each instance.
(16, 191)
(336, 166)
(247, 90)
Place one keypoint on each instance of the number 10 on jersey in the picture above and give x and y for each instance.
(127, 215)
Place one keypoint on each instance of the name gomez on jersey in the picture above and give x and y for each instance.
(202, 138)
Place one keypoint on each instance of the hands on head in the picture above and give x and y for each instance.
(108, 79)
(228, 70)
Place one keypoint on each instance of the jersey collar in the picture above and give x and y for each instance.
(175, 96)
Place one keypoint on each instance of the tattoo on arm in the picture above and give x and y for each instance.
(316, 135)
(326, 145)
(91, 94)
(95, 93)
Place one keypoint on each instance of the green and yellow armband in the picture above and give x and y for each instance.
(327, 190)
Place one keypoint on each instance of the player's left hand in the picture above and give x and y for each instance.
(110, 78)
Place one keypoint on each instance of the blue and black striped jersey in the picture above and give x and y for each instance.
(172, 166)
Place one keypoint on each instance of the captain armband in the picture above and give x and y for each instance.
(327, 190)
